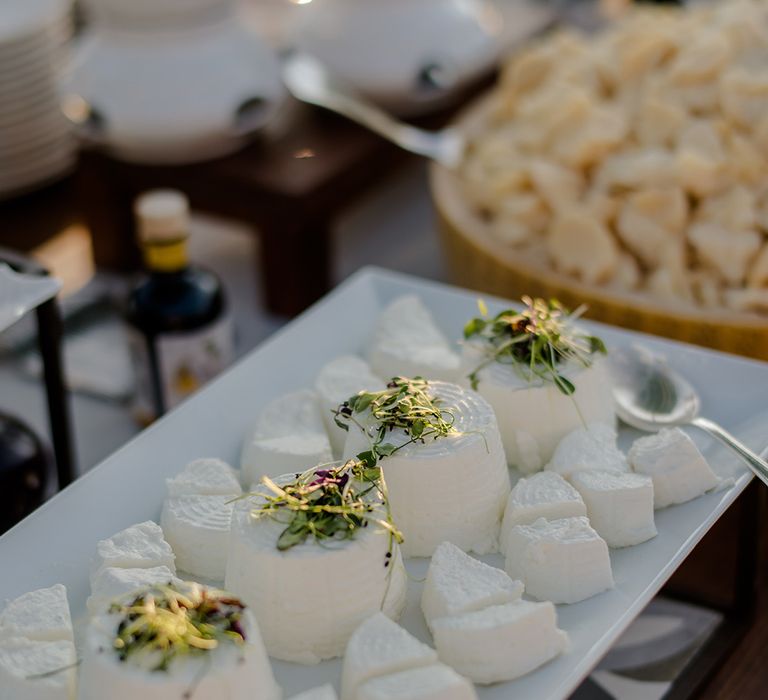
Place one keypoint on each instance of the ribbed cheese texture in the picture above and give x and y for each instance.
(41, 615)
(338, 381)
(197, 528)
(310, 598)
(204, 477)
(679, 471)
(452, 488)
(322, 692)
(588, 449)
(289, 436)
(533, 417)
(458, 583)
(379, 647)
(228, 672)
(23, 661)
(406, 342)
(500, 643)
(140, 546)
(542, 495)
(438, 682)
(619, 506)
(563, 561)
(113, 583)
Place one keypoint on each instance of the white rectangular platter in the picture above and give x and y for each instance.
(56, 543)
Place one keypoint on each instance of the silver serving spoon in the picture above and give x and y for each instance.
(651, 396)
(309, 81)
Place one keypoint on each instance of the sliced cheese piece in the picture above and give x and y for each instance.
(37, 670)
(563, 561)
(197, 528)
(379, 647)
(458, 583)
(590, 448)
(204, 477)
(310, 598)
(542, 495)
(500, 643)
(619, 506)
(233, 671)
(140, 546)
(335, 383)
(679, 471)
(453, 488)
(535, 416)
(112, 583)
(322, 692)
(406, 342)
(289, 436)
(42, 615)
(437, 682)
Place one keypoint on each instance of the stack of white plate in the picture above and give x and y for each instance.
(36, 141)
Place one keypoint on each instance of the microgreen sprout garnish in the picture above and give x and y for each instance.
(537, 341)
(164, 623)
(405, 404)
(328, 504)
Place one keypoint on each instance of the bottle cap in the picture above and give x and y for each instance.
(163, 215)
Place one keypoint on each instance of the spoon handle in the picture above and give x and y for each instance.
(758, 465)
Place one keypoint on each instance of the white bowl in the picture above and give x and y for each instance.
(408, 55)
(174, 96)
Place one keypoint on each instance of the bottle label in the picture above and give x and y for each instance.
(185, 362)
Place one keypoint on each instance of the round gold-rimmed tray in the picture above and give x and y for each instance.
(478, 260)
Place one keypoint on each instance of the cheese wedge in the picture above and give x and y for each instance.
(500, 643)
(232, 671)
(406, 342)
(289, 436)
(535, 416)
(438, 682)
(37, 670)
(588, 449)
(679, 471)
(323, 692)
(197, 528)
(379, 647)
(458, 583)
(335, 383)
(543, 495)
(453, 488)
(619, 506)
(204, 477)
(42, 615)
(563, 561)
(310, 598)
(112, 583)
(140, 546)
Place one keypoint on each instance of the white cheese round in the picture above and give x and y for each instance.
(619, 506)
(114, 582)
(310, 598)
(500, 643)
(542, 495)
(197, 528)
(228, 672)
(534, 416)
(453, 488)
(26, 668)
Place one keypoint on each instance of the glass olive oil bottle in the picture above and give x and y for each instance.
(181, 335)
